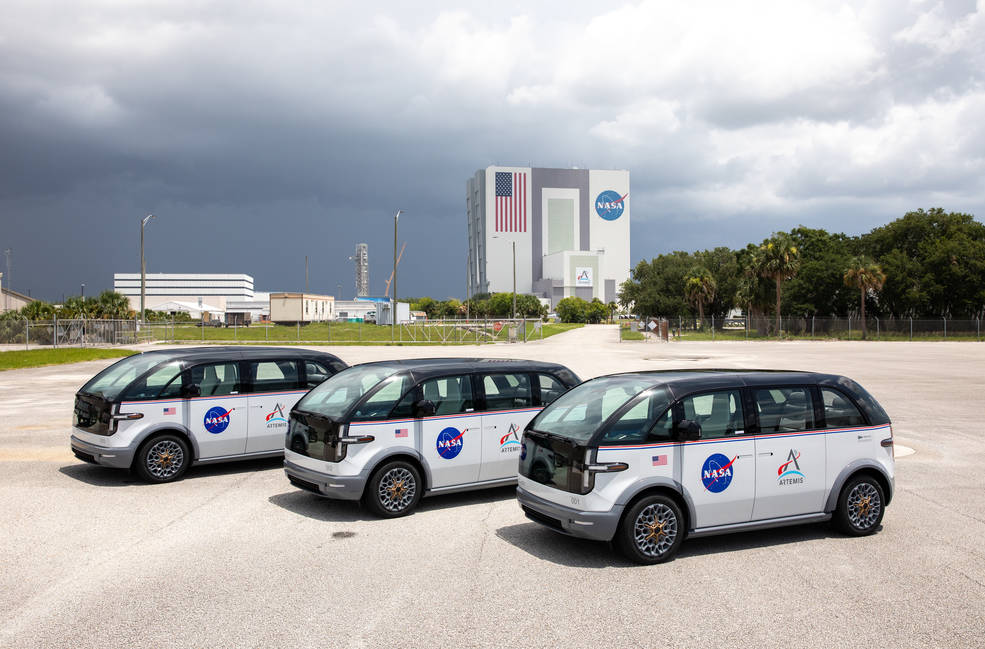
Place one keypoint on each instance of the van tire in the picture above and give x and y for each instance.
(651, 531)
(162, 458)
(394, 490)
(861, 506)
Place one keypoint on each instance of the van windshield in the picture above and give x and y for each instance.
(111, 381)
(335, 396)
(577, 414)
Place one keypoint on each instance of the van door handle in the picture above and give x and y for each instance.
(770, 454)
(864, 437)
(746, 455)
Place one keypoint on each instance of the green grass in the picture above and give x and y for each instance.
(628, 333)
(39, 357)
(354, 333)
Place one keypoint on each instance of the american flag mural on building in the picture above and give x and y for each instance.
(511, 201)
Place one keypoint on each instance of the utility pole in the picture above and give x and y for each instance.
(6, 296)
(514, 280)
(393, 311)
(143, 266)
(306, 273)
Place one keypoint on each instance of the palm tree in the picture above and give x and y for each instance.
(611, 307)
(113, 305)
(699, 289)
(778, 259)
(865, 275)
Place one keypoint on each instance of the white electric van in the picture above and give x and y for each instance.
(393, 431)
(646, 459)
(161, 411)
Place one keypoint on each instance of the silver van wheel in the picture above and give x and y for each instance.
(397, 489)
(864, 506)
(655, 530)
(164, 459)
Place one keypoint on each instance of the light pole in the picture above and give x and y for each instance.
(143, 266)
(83, 290)
(514, 275)
(393, 310)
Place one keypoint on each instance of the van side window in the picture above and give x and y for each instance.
(719, 413)
(150, 387)
(314, 374)
(839, 412)
(636, 425)
(784, 410)
(214, 379)
(274, 376)
(450, 394)
(550, 388)
(382, 402)
(506, 391)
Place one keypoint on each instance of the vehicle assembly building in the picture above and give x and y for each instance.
(568, 229)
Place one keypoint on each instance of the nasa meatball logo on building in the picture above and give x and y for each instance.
(217, 419)
(610, 205)
(716, 473)
(449, 442)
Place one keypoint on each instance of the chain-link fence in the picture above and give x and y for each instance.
(815, 327)
(427, 332)
(69, 332)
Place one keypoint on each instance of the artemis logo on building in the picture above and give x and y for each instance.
(610, 205)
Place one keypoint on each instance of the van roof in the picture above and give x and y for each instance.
(238, 352)
(425, 367)
(684, 382)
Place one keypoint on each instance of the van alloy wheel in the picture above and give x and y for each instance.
(861, 506)
(655, 530)
(864, 506)
(652, 530)
(394, 489)
(164, 459)
(397, 489)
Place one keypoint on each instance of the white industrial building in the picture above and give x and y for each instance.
(202, 290)
(569, 229)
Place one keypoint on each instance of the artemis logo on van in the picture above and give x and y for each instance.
(449, 442)
(217, 419)
(509, 443)
(785, 475)
(716, 473)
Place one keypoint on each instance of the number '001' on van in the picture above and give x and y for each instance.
(393, 431)
(646, 459)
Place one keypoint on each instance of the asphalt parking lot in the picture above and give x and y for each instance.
(234, 556)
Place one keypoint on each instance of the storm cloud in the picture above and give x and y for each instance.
(261, 132)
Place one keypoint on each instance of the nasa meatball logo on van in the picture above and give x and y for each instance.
(610, 205)
(716, 473)
(217, 419)
(449, 442)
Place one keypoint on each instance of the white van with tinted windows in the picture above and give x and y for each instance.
(390, 432)
(646, 459)
(162, 411)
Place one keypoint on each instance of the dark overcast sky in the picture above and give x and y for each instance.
(260, 132)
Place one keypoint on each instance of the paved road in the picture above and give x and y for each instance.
(234, 556)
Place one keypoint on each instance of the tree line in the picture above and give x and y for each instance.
(108, 305)
(925, 264)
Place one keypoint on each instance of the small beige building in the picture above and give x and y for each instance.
(289, 308)
(12, 300)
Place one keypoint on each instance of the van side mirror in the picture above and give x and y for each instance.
(424, 408)
(190, 391)
(688, 430)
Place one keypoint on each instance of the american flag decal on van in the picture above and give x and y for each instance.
(659, 460)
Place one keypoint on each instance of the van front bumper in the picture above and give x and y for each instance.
(329, 486)
(120, 458)
(598, 526)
